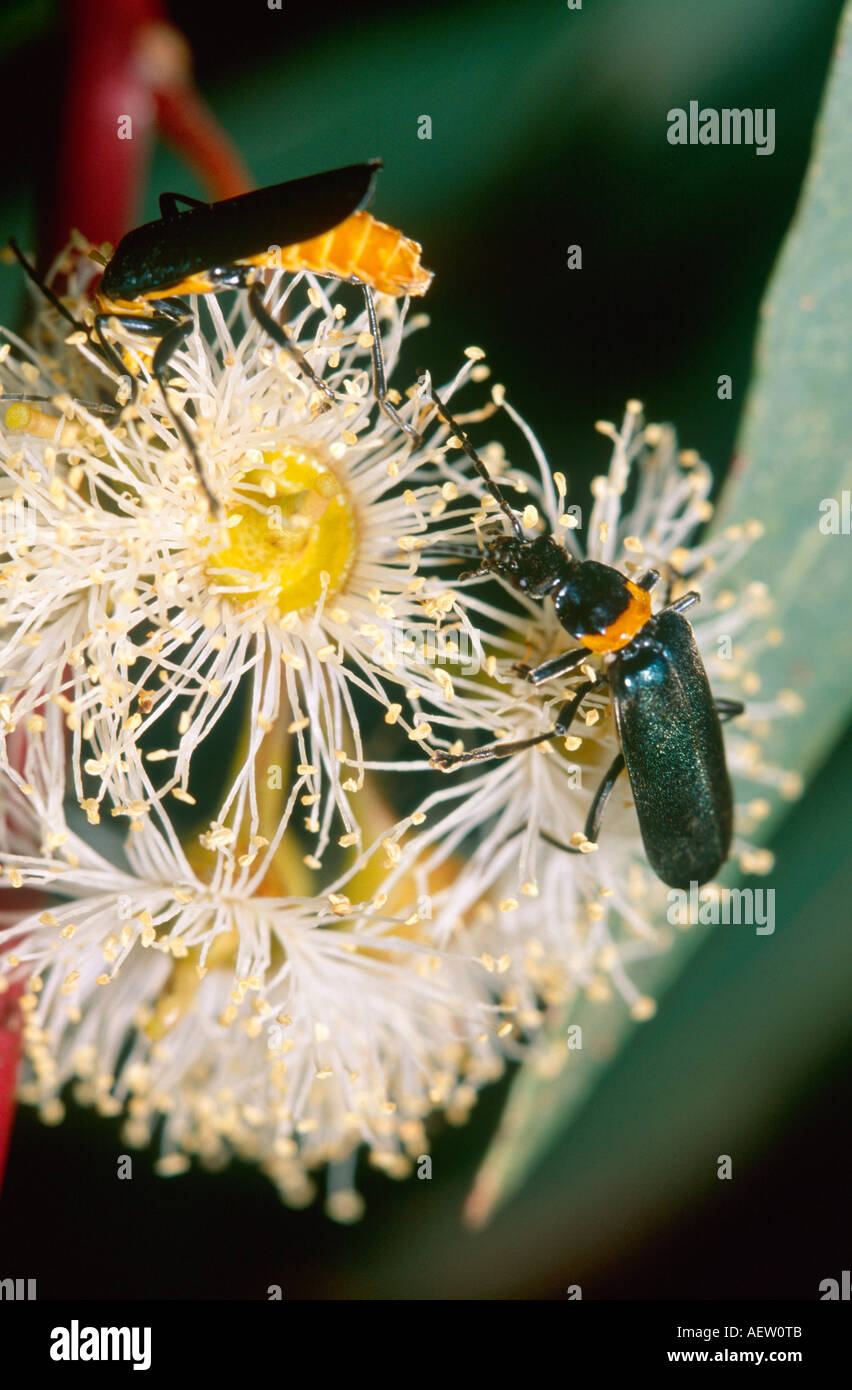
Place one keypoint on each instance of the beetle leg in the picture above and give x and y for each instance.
(728, 709)
(557, 666)
(155, 325)
(33, 275)
(166, 348)
(277, 334)
(447, 761)
(380, 385)
(596, 810)
(648, 580)
(680, 604)
(169, 204)
(673, 575)
(108, 352)
(565, 717)
(171, 331)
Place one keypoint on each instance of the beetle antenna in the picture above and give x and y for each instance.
(33, 275)
(460, 550)
(476, 461)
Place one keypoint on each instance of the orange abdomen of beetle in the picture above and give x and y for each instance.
(360, 248)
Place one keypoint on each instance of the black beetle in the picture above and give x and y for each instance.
(315, 223)
(668, 723)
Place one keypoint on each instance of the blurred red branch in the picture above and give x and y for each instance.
(99, 175)
(187, 124)
(129, 75)
(10, 1052)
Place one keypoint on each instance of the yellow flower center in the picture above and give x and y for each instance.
(179, 992)
(295, 531)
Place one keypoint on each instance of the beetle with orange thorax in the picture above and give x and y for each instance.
(317, 224)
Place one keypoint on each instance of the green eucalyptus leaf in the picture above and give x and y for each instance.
(794, 454)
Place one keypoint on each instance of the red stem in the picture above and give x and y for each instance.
(10, 1054)
(124, 61)
(100, 176)
(130, 73)
(185, 122)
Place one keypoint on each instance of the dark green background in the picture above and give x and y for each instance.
(548, 129)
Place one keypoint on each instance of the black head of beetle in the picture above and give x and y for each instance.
(534, 567)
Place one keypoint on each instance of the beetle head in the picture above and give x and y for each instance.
(535, 567)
